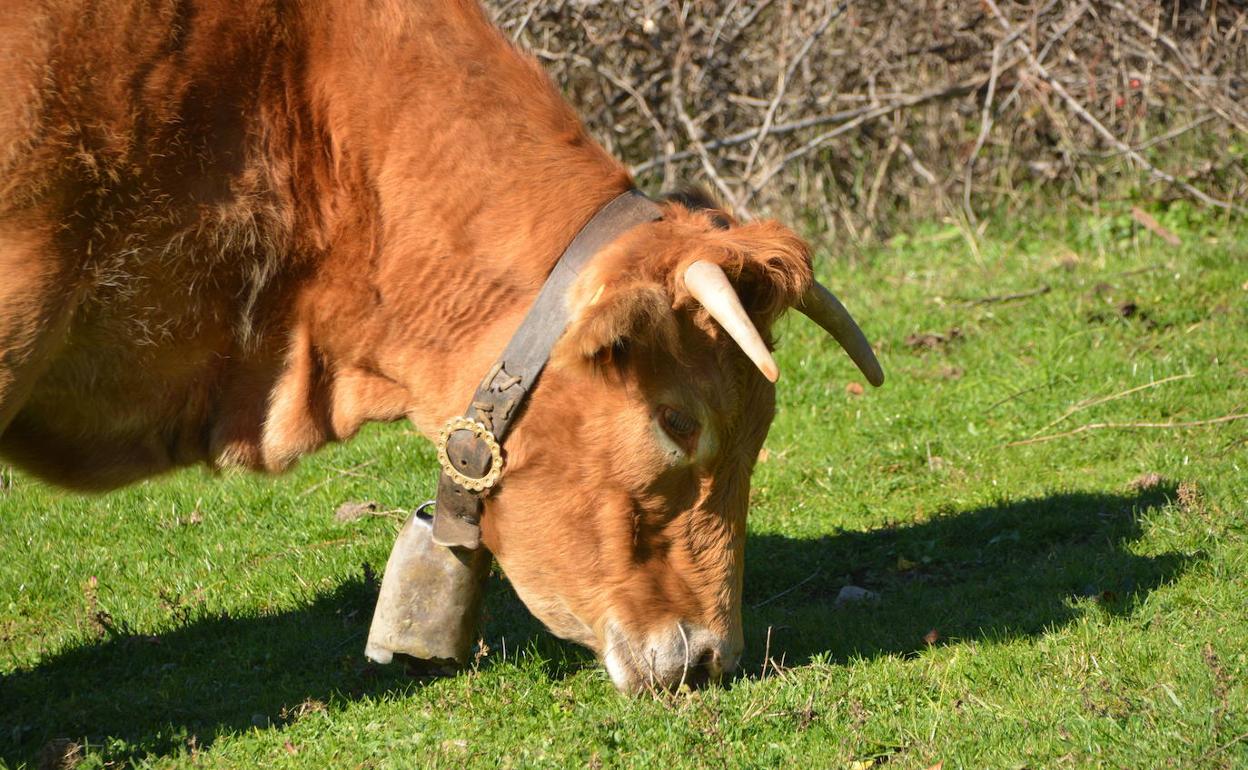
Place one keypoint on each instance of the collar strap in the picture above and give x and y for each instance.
(470, 447)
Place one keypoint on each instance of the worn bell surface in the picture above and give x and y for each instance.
(430, 600)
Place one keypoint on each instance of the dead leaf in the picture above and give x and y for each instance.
(854, 389)
(936, 766)
(354, 511)
(1189, 496)
(1146, 482)
(932, 637)
(59, 754)
(763, 455)
(1146, 219)
(309, 706)
(483, 651)
(291, 748)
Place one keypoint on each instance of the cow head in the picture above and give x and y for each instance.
(621, 518)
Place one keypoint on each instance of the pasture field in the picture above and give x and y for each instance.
(1080, 601)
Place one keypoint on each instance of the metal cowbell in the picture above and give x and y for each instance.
(429, 605)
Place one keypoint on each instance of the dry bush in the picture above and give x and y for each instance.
(853, 112)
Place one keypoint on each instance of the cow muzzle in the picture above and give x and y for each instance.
(681, 654)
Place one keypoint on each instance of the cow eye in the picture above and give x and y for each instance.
(679, 425)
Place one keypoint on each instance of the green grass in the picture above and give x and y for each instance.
(1070, 617)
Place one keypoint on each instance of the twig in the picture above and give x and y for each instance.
(1045, 289)
(339, 473)
(916, 164)
(1074, 106)
(1178, 54)
(964, 87)
(694, 134)
(1150, 223)
(1225, 746)
(1130, 426)
(1011, 397)
(1136, 271)
(524, 20)
(766, 654)
(782, 85)
(1072, 18)
(873, 196)
(1089, 403)
(871, 112)
(660, 130)
(719, 29)
(788, 590)
(985, 120)
(750, 17)
(1161, 138)
(985, 126)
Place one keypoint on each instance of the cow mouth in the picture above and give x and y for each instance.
(669, 659)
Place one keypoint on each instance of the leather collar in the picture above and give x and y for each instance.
(470, 447)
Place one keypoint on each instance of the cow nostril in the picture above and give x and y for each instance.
(708, 660)
(703, 671)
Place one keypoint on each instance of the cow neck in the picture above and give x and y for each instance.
(470, 447)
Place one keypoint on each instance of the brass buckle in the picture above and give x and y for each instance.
(481, 432)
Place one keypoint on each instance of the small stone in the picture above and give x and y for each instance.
(854, 594)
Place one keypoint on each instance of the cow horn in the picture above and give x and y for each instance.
(822, 307)
(709, 285)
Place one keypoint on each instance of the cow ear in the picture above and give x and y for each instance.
(614, 318)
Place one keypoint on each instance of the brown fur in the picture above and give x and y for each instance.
(232, 231)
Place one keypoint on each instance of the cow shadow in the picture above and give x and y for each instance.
(1014, 569)
(995, 573)
(215, 674)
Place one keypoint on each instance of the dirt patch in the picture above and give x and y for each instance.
(1146, 482)
(59, 754)
(1127, 309)
(933, 340)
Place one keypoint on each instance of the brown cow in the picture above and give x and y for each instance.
(232, 231)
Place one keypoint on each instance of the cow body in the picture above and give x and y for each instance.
(233, 231)
(190, 195)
